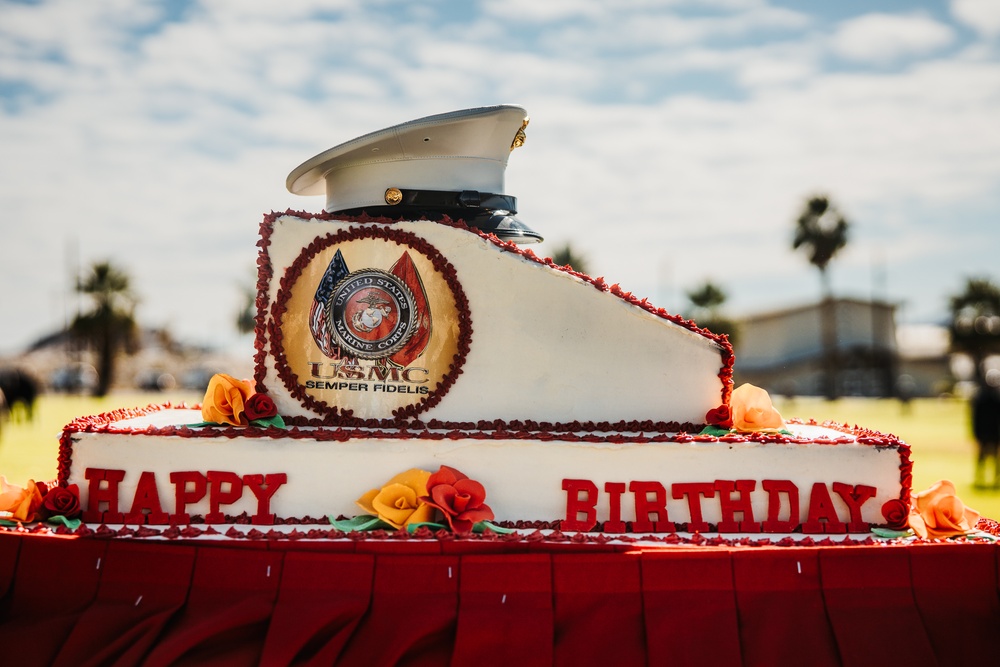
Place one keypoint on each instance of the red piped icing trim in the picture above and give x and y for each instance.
(531, 533)
(625, 432)
(272, 327)
(265, 274)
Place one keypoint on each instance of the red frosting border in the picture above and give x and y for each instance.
(266, 273)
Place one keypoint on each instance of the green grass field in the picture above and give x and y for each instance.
(937, 429)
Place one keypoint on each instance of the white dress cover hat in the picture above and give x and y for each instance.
(448, 164)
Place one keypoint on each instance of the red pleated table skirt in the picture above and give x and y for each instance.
(87, 601)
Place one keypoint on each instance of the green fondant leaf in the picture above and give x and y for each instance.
(499, 530)
(983, 535)
(58, 519)
(9, 524)
(360, 523)
(413, 527)
(276, 421)
(717, 431)
(889, 534)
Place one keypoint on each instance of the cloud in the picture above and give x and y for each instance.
(883, 38)
(983, 16)
(679, 154)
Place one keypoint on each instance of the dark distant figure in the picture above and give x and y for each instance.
(20, 389)
(986, 427)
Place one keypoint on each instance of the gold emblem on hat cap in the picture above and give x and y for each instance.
(520, 137)
(393, 196)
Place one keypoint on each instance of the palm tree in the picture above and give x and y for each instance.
(821, 231)
(975, 322)
(110, 325)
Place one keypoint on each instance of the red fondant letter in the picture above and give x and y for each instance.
(575, 505)
(146, 503)
(263, 487)
(855, 497)
(644, 507)
(774, 488)
(217, 497)
(730, 507)
(183, 497)
(98, 493)
(821, 510)
(614, 524)
(693, 491)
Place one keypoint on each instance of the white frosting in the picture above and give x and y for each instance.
(523, 478)
(546, 345)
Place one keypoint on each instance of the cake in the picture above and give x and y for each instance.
(403, 329)
(455, 452)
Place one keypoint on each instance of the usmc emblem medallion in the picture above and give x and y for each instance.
(372, 313)
(369, 323)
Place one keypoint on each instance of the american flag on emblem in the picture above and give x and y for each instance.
(318, 321)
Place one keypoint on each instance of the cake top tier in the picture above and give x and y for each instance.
(361, 320)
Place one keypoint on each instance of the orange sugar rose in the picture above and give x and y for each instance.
(752, 410)
(937, 513)
(22, 503)
(398, 502)
(225, 400)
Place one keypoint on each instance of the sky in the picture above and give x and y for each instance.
(671, 142)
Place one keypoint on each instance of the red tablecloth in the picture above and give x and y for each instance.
(68, 601)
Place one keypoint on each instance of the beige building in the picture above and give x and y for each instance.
(782, 351)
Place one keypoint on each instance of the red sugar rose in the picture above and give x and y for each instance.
(896, 514)
(62, 501)
(459, 498)
(720, 416)
(259, 406)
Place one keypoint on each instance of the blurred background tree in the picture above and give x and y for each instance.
(566, 256)
(975, 322)
(707, 301)
(245, 317)
(110, 325)
(821, 232)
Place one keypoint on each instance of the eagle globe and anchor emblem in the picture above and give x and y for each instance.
(373, 314)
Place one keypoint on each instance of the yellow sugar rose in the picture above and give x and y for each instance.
(753, 411)
(398, 502)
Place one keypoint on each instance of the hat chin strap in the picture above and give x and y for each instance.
(450, 199)
(488, 213)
